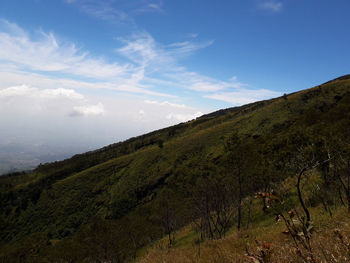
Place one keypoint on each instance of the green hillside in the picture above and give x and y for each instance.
(110, 204)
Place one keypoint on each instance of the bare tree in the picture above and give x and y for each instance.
(167, 215)
(213, 206)
(236, 161)
(306, 159)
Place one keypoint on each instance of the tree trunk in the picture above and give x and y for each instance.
(348, 188)
(301, 200)
(249, 212)
(239, 201)
(210, 232)
(341, 197)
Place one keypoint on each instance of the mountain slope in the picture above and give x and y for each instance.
(123, 186)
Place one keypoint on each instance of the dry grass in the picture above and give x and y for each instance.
(330, 243)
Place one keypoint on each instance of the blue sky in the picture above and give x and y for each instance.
(94, 72)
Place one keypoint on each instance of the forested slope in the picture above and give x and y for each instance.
(108, 204)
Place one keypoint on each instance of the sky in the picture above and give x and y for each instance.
(86, 73)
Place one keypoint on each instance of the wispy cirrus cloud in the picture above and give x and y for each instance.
(15, 77)
(155, 6)
(186, 48)
(166, 103)
(45, 61)
(26, 58)
(164, 62)
(46, 53)
(271, 5)
(159, 64)
(243, 96)
(142, 49)
(104, 10)
(117, 11)
(150, 6)
(206, 84)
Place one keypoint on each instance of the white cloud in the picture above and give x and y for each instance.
(39, 102)
(22, 90)
(243, 96)
(166, 103)
(183, 117)
(91, 110)
(48, 54)
(273, 6)
(60, 92)
(41, 81)
(32, 92)
(24, 103)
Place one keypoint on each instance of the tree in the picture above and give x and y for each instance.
(307, 158)
(237, 159)
(213, 204)
(343, 171)
(167, 215)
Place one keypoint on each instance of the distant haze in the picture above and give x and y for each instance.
(47, 129)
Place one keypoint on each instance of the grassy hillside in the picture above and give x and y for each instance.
(111, 203)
